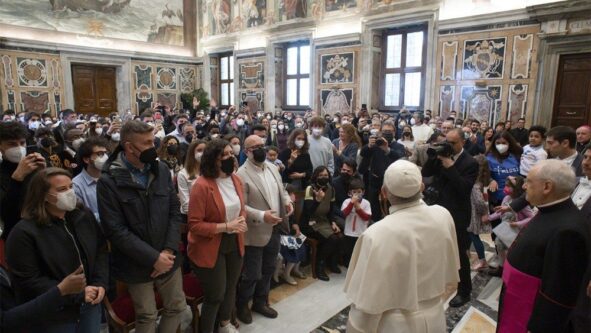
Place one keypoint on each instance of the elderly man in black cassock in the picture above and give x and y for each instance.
(546, 264)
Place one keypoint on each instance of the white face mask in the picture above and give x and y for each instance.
(76, 143)
(99, 162)
(402, 124)
(34, 125)
(299, 125)
(98, 130)
(299, 143)
(274, 126)
(160, 134)
(240, 122)
(198, 156)
(66, 200)
(501, 148)
(373, 131)
(116, 136)
(281, 127)
(236, 149)
(412, 121)
(344, 122)
(433, 126)
(49, 123)
(15, 154)
(316, 132)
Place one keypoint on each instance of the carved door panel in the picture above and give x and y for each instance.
(94, 89)
(572, 99)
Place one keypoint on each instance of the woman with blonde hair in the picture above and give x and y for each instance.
(345, 146)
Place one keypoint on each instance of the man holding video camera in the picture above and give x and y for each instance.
(455, 173)
(381, 151)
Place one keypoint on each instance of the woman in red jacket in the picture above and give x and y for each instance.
(216, 234)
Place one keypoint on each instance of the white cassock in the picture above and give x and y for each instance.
(399, 271)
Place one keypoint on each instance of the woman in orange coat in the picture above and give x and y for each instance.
(216, 234)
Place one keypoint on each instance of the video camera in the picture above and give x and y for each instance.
(443, 149)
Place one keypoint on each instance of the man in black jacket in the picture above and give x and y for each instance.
(381, 151)
(520, 133)
(15, 171)
(140, 213)
(454, 178)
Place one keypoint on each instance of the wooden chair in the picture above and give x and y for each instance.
(120, 312)
(194, 296)
(313, 244)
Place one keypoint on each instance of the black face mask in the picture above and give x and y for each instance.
(148, 155)
(228, 166)
(172, 149)
(388, 136)
(189, 138)
(322, 181)
(259, 155)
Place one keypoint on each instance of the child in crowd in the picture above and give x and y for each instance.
(293, 257)
(534, 151)
(479, 200)
(511, 222)
(357, 213)
(272, 154)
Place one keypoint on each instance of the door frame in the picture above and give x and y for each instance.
(122, 76)
(550, 50)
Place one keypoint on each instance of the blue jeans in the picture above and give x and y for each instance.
(478, 246)
(90, 322)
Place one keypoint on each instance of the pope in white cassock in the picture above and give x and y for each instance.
(402, 264)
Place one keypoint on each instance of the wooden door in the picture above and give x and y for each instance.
(572, 99)
(94, 89)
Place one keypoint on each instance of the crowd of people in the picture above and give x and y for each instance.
(230, 196)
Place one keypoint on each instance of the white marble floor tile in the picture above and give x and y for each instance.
(305, 310)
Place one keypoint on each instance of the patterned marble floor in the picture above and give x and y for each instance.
(477, 316)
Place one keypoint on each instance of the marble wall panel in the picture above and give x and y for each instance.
(517, 101)
(337, 75)
(155, 82)
(497, 61)
(522, 48)
(446, 99)
(481, 103)
(449, 56)
(336, 100)
(31, 81)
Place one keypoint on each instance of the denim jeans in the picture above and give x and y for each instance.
(89, 322)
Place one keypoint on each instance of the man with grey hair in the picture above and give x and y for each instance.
(401, 265)
(545, 266)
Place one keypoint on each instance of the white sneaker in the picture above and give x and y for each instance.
(228, 329)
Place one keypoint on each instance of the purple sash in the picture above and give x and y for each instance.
(518, 301)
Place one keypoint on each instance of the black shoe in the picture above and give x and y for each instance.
(265, 310)
(335, 269)
(459, 300)
(244, 315)
(321, 273)
(498, 272)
